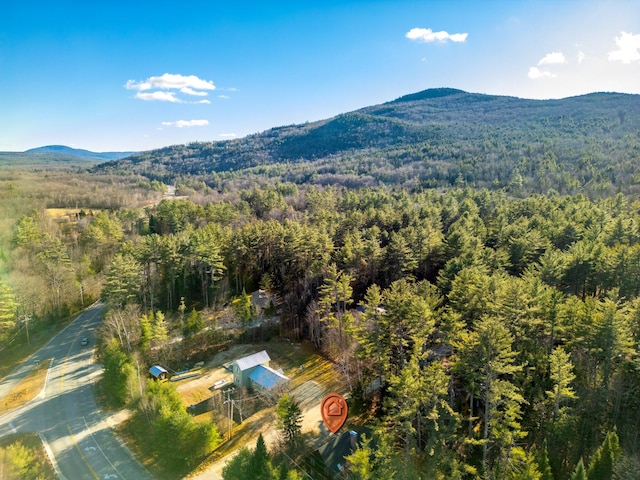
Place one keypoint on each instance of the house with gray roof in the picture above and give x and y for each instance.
(253, 371)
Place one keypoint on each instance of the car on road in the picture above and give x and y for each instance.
(84, 342)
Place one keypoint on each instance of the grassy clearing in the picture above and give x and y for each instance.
(301, 364)
(21, 453)
(26, 390)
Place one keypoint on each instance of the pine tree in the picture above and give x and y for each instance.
(289, 420)
(8, 309)
(360, 462)
(601, 465)
(260, 464)
(561, 374)
(542, 459)
(486, 362)
(579, 473)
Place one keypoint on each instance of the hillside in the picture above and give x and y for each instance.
(434, 138)
(44, 159)
(57, 156)
(79, 153)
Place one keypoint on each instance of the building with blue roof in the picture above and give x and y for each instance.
(158, 372)
(266, 378)
(253, 371)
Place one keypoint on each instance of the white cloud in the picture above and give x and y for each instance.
(581, 56)
(228, 135)
(169, 81)
(191, 91)
(552, 58)
(159, 96)
(166, 87)
(187, 123)
(204, 101)
(628, 48)
(428, 35)
(535, 73)
(224, 97)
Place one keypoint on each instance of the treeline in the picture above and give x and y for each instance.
(56, 236)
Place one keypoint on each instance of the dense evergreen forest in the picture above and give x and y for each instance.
(487, 328)
(505, 331)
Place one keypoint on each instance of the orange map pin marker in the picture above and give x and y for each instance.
(334, 411)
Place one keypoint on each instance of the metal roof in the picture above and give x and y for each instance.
(157, 370)
(267, 377)
(251, 361)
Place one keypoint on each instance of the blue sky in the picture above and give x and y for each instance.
(136, 75)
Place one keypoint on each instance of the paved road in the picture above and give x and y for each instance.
(77, 435)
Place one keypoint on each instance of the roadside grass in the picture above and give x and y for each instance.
(25, 450)
(27, 389)
(19, 352)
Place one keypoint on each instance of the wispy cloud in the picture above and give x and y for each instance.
(228, 135)
(191, 91)
(581, 56)
(552, 58)
(535, 73)
(166, 86)
(186, 123)
(159, 96)
(628, 48)
(428, 35)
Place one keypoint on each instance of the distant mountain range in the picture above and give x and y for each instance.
(76, 152)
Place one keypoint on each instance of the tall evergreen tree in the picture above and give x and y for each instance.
(289, 420)
(602, 462)
(486, 362)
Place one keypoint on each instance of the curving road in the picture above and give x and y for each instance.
(76, 434)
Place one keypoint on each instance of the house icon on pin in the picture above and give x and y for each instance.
(333, 407)
(334, 411)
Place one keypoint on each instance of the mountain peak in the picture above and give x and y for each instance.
(429, 93)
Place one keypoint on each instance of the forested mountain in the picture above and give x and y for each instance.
(490, 330)
(435, 138)
(79, 153)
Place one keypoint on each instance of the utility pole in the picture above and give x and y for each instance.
(229, 402)
(26, 319)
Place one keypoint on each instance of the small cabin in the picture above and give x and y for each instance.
(158, 372)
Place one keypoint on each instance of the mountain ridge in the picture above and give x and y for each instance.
(433, 138)
(78, 152)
